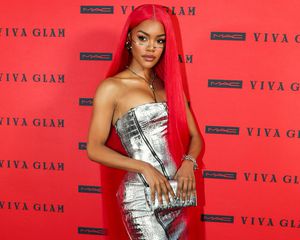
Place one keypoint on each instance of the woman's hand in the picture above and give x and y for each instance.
(158, 183)
(186, 180)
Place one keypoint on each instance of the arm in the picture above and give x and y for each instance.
(185, 174)
(195, 141)
(103, 108)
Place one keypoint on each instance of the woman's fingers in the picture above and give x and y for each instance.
(170, 189)
(165, 191)
(152, 190)
(186, 187)
(159, 194)
(162, 190)
(190, 189)
(194, 187)
(179, 187)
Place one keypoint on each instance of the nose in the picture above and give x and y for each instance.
(150, 46)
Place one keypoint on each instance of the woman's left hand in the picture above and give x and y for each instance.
(186, 180)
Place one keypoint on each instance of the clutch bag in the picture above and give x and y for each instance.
(174, 203)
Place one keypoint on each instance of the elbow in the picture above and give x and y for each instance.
(90, 150)
(94, 151)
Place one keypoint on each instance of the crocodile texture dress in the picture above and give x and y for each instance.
(142, 131)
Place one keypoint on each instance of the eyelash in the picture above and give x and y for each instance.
(143, 37)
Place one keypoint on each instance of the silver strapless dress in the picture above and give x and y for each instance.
(142, 131)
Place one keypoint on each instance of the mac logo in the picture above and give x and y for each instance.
(217, 218)
(219, 175)
(222, 130)
(219, 83)
(97, 9)
(231, 36)
(89, 189)
(85, 101)
(95, 56)
(92, 231)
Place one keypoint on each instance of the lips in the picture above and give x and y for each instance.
(148, 58)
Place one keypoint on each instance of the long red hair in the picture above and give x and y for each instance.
(167, 69)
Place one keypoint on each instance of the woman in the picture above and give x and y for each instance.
(143, 100)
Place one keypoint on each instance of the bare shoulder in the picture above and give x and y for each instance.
(108, 90)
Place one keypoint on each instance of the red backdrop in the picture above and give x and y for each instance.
(240, 59)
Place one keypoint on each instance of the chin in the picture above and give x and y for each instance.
(148, 64)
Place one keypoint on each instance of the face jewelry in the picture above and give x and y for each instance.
(150, 84)
(146, 44)
(140, 43)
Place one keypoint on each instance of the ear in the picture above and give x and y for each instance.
(129, 35)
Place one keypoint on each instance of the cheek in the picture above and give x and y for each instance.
(137, 49)
(160, 52)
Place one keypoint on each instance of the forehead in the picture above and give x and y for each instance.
(151, 27)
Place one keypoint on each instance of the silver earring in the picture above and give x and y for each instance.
(128, 45)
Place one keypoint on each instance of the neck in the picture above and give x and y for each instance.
(145, 72)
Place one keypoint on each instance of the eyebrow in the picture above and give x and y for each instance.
(148, 33)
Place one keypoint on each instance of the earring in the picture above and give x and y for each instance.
(128, 45)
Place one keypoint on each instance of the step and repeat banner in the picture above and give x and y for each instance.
(240, 60)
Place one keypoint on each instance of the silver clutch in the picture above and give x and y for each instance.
(174, 203)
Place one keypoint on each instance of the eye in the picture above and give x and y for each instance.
(142, 38)
(161, 41)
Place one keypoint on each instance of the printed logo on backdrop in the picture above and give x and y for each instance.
(28, 165)
(228, 36)
(272, 132)
(270, 178)
(24, 206)
(265, 132)
(38, 78)
(268, 221)
(255, 85)
(97, 9)
(89, 189)
(275, 86)
(186, 58)
(269, 37)
(85, 101)
(219, 175)
(95, 56)
(222, 130)
(218, 83)
(31, 122)
(217, 218)
(253, 220)
(174, 10)
(125, 10)
(253, 177)
(82, 145)
(266, 37)
(92, 231)
(43, 32)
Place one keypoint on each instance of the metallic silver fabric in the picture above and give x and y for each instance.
(142, 131)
